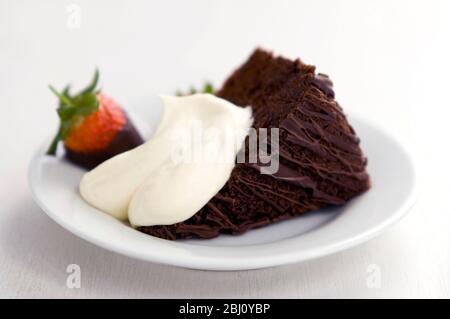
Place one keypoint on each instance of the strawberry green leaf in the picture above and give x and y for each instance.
(86, 104)
(207, 88)
(65, 128)
(66, 112)
(65, 92)
(91, 87)
(62, 98)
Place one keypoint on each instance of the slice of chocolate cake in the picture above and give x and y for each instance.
(320, 161)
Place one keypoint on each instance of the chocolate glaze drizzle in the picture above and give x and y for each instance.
(320, 161)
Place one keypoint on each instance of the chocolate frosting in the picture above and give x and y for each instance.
(323, 82)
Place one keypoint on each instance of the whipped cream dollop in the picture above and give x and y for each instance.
(184, 164)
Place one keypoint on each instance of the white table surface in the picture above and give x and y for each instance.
(389, 61)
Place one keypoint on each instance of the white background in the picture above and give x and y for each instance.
(389, 61)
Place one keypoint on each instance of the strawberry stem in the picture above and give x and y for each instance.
(52, 149)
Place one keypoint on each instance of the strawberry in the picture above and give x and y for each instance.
(92, 127)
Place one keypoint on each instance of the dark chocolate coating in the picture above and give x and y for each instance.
(126, 139)
(321, 162)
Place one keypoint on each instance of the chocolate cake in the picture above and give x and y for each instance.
(320, 161)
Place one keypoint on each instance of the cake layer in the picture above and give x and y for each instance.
(320, 161)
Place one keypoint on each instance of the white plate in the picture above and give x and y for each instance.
(54, 183)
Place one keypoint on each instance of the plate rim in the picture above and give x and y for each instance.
(200, 262)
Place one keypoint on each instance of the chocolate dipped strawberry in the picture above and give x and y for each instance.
(93, 127)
